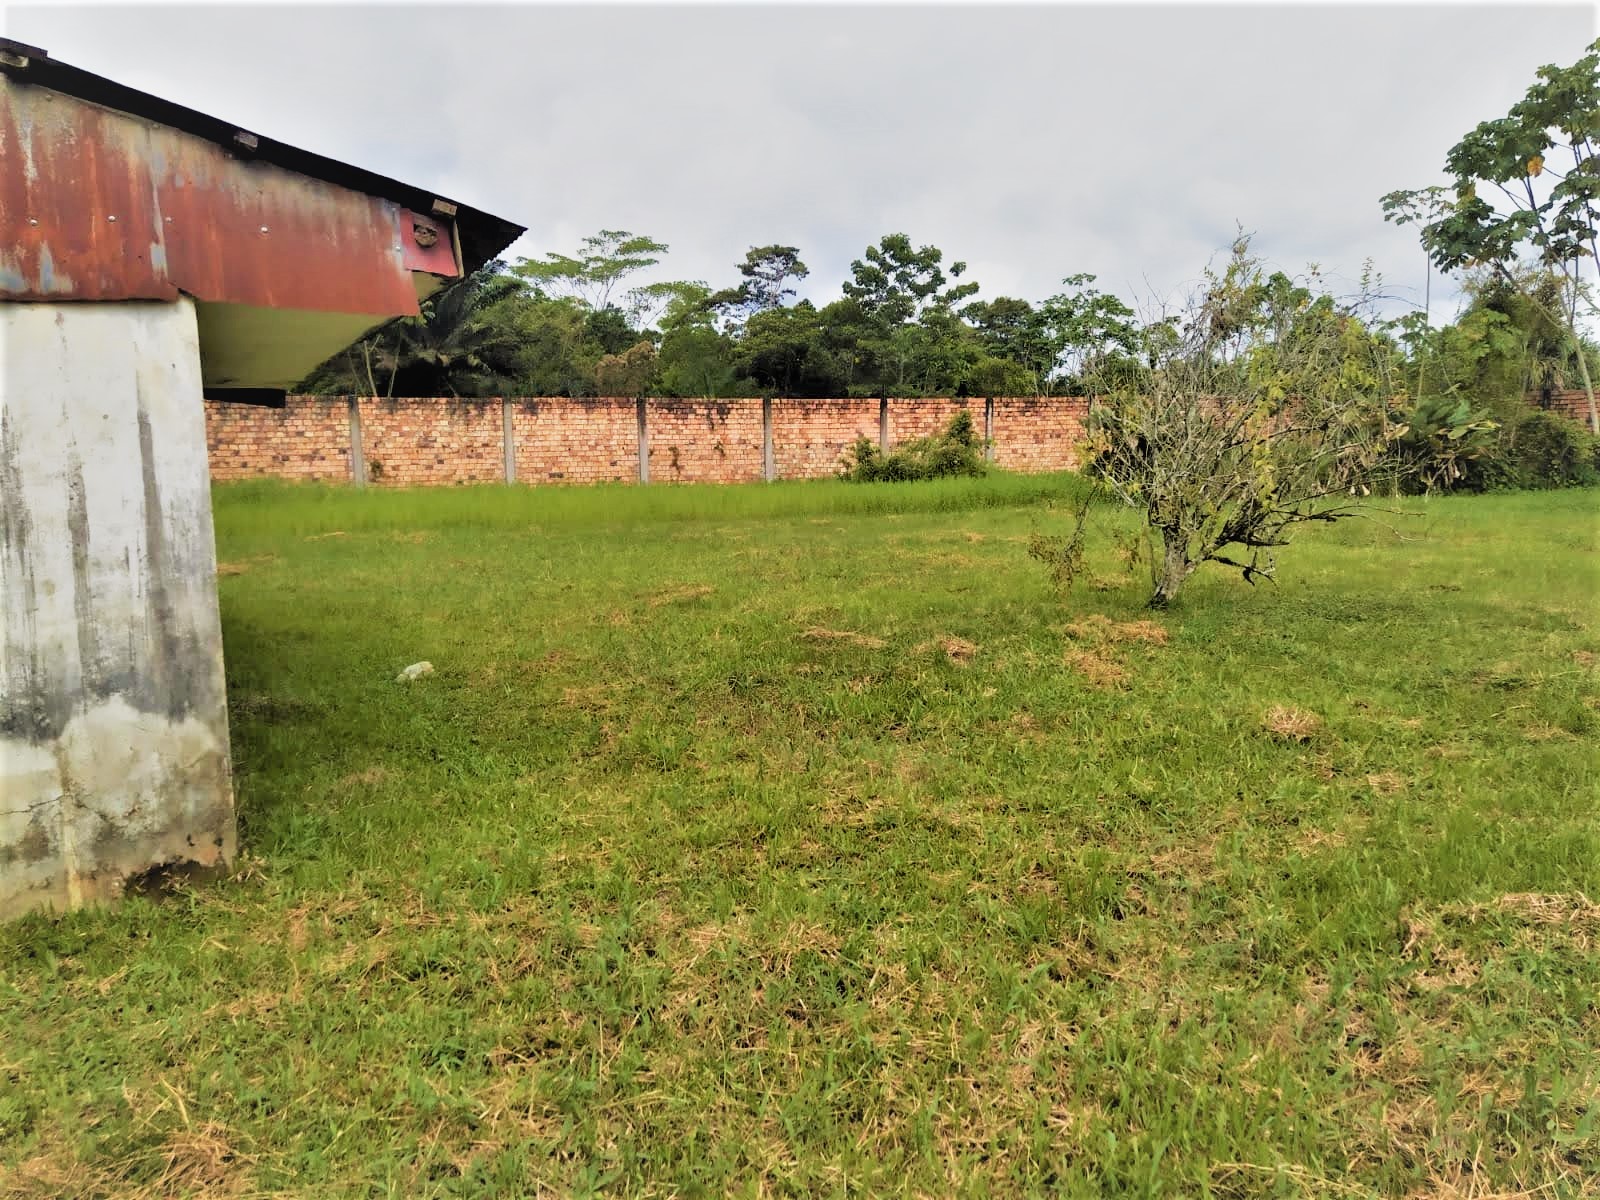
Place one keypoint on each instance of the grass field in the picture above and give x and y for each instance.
(800, 840)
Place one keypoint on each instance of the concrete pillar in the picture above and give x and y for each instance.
(769, 458)
(113, 720)
(988, 428)
(644, 440)
(883, 425)
(508, 440)
(358, 452)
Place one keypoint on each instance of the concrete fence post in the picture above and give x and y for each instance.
(769, 459)
(883, 425)
(988, 428)
(644, 441)
(508, 440)
(358, 458)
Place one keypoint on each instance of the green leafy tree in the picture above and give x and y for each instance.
(895, 283)
(902, 299)
(847, 337)
(1528, 182)
(784, 352)
(610, 329)
(556, 354)
(1081, 326)
(1018, 355)
(629, 373)
(698, 362)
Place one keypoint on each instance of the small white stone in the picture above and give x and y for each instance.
(414, 671)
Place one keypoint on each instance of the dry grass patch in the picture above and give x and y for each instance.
(369, 777)
(818, 634)
(1387, 783)
(681, 595)
(201, 1162)
(1541, 731)
(240, 566)
(1098, 635)
(1568, 916)
(1291, 724)
(1194, 861)
(1101, 630)
(959, 650)
(196, 1161)
(1101, 672)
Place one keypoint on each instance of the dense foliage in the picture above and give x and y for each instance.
(906, 323)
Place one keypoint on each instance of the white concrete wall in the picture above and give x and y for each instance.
(113, 718)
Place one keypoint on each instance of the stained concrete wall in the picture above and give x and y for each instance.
(113, 719)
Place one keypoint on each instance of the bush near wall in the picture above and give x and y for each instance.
(956, 451)
(1550, 451)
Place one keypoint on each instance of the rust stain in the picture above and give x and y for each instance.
(62, 181)
(99, 205)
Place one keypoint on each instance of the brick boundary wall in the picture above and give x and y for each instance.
(1572, 404)
(412, 442)
(541, 440)
(409, 442)
(308, 438)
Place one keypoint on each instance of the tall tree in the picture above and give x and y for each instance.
(1082, 325)
(1012, 331)
(695, 359)
(1538, 165)
(895, 283)
(781, 348)
(899, 291)
(594, 276)
(767, 271)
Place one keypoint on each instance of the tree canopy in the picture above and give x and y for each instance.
(1525, 191)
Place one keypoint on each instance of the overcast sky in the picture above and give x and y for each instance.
(1032, 142)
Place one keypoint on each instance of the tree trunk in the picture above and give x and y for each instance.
(1588, 388)
(1583, 357)
(1175, 568)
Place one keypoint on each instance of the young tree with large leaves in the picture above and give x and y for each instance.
(1525, 183)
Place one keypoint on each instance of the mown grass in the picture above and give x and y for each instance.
(802, 841)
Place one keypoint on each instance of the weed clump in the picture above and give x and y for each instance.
(956, 451)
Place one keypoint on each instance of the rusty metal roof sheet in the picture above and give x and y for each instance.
(129, 196)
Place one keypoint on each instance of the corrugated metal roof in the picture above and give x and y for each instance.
(483, 235)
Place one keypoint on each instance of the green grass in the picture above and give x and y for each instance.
(800, 840)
